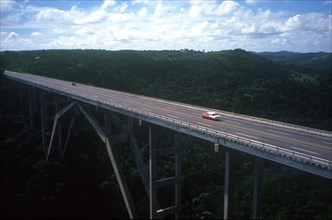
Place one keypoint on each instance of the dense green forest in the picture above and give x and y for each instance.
(318, 61)
(84, 185)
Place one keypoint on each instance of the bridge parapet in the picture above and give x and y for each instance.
(218, 136)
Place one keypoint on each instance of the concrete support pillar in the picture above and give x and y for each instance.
(44, 121)
(152, 174)
(258, 177)
(56, 103)
(178, 175)
(107, 123)
(60, 144)
(31, 108)
(229, 184)
(21, 98)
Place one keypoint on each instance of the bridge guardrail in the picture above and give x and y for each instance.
(230, 137)
(254, 119)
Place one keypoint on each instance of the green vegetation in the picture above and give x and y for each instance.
(84, 185)
(235, 80)
(317, 61)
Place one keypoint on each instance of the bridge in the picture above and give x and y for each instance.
(303, 148)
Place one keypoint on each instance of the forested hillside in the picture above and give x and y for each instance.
(317, 61)
(84, 185)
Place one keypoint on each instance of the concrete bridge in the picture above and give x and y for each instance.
(303, 148)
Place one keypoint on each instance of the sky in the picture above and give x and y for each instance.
(202, 25)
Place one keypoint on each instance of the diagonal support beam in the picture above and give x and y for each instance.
(58, 115)
(67, 139)
(110, 149)
(134, 150)
(116, 165)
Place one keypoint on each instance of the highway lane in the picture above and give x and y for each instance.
(293, 140)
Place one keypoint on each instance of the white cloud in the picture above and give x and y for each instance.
(209, 25)
(199, 29)
(107, 4)
(90, 18)
(158, 10)
(12, 40)
(55, 16)
(227, 7)
(121, 8)
(7, 5)
(35, 34)
(84, 31)
(58, 30)
(252, 1)
(12, 35)
(142, 12)
(212, 8)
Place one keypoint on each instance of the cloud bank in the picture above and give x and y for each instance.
(158, 25)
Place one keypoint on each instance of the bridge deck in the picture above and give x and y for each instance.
(310, 145)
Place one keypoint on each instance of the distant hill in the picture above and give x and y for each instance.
(320, 61)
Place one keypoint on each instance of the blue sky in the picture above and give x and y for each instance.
(209, 25)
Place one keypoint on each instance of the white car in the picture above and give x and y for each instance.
(212, 116)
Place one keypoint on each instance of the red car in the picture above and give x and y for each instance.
(212, 116)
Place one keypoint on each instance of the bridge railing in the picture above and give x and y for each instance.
(258, 120)
(248, 118)
(327, 164)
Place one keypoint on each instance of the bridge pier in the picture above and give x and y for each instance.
(174, 181)
(31, 107)
(44, 119)
(257, 197)
(152, 175)
(20, 89)
(229, 184)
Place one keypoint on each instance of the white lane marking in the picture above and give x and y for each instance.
(200, 123)
(169, 108)
(280, 132)
(249, 136)
(234, 122)
(173, 116)
(308, 151)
